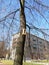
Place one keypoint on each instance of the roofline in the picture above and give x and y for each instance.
(33, 35)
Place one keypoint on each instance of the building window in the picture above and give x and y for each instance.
(40, 42)
(34, 48)
(34, 40)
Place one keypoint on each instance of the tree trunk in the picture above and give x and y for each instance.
(21, 40)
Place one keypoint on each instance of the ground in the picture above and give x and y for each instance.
(10, 62)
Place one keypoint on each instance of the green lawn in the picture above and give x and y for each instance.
(44, 61)
(30, 64)
(10, 62)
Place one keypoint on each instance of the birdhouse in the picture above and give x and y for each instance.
(23, 32)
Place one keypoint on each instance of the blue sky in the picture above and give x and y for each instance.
(40, 21)
(8, 6)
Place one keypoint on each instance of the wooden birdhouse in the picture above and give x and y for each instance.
(23, 32)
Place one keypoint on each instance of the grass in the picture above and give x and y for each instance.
(44, 61)
(26, 63)
(10, 62)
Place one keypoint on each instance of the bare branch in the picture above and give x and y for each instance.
(33, 27)
(41, 4)
(31, 13)
(4, 18)
(38, 12)
(41, 14)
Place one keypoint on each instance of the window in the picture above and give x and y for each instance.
(40, 42)
(34, 48)
(34, 40)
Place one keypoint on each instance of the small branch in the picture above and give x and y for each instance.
(41, 4)
(38, 12)
(4, 18)
(31, 13)
(33, 27)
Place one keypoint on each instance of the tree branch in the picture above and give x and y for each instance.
(38, 12)
(41, 4)
(4, 18)
(33, 27)
(31, 13)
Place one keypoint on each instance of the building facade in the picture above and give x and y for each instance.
(13, 46)
(38, 49)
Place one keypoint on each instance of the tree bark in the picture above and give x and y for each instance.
(21, 40)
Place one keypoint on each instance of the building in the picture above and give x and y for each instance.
(13, 48)
(38, 49)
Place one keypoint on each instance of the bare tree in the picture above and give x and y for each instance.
(23, 20)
